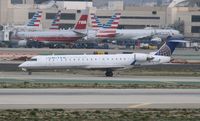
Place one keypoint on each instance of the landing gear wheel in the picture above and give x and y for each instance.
(29, 73)
(109, 73)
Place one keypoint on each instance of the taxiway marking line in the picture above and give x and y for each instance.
(139, 105)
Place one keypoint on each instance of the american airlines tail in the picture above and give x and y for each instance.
(96, 24)
(36, 20)
(168, 48)
(109, 29)
(112, 23)
(82, 22)
(55, 23)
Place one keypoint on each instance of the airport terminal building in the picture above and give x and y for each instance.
(183, 14)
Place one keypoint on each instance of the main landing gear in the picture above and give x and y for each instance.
(109, 73)
(29, 73)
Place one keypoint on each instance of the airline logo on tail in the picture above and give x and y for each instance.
(96, 24)
(36, 19)
(112, 23)
(168, 48)
(82, 23)
(55, 23)
(109, 29)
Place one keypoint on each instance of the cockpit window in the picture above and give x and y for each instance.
(33, 59)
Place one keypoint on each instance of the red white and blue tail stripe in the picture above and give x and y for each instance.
(96, 24)
(82, 22)
(36, 19)
(112, 23)
(55, 23)
(109, 29)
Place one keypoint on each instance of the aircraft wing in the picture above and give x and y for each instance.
(140, 37)
(113, 68)
(118, 34)
(82, 33)
(105, 67)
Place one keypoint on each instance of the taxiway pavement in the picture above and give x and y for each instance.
(49, 76)
(99, 98)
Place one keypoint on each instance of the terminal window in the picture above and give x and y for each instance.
(195, 29)
(195, 18)
(50, 15)
(16, 1)
(77, 0)
(64, 16)
(68, 16)
(30, 15)
(132, 17)
(66, 26)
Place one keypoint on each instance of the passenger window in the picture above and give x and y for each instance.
(33, 59)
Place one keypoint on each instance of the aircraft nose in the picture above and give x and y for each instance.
(22, 65)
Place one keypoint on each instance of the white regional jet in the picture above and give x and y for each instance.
(107, 63)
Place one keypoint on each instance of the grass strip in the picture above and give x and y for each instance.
(109, 84)
(101, 115)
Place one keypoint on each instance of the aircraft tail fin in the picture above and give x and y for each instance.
(82, 22)
(96, 24)
(36, 19)
(168, 48)
(113, 22)
(55, 22)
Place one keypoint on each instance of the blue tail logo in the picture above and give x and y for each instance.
(168, 48)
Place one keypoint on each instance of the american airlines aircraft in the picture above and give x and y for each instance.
(108, 63)
(120, 34)
(64, 36)
(55, 22)
(33, 24)
(103, 31)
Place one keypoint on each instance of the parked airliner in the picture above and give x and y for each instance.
(64, 36)
(33, 24)
(123, 34)
(107, 63)
(55, 22)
